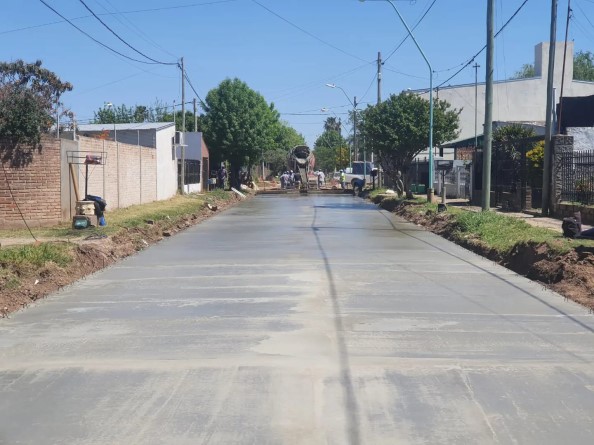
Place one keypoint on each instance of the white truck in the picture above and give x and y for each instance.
(359, 170)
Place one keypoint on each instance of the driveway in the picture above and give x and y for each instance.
(300, 320)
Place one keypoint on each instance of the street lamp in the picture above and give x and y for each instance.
(354, 104)
(431, 173)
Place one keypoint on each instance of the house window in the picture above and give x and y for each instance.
(192, 173)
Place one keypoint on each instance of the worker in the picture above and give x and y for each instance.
(321, 179)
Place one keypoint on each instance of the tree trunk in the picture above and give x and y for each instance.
(234, 169)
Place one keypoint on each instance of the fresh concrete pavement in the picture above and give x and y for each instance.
(299, 320)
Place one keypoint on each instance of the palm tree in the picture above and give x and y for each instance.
(332, 124)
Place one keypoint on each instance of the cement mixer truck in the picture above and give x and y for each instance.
(302, 161)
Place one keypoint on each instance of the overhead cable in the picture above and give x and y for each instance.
(202, 104)
(15, 201)
(484, 47)
(307, 32)
(95, 40)
(408, 35)
(190, 5)
(121, 39)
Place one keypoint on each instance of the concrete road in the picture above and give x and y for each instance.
(300, 320)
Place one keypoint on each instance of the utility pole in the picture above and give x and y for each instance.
(379, 78)
(58, 117)
(183, 148)
(195, 117)
(563, 72)
(354, 131)
(476, 66)
(548, 152)
(488, 131)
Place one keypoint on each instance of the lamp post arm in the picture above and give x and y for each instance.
(347, 96)
(410, 34)
(431, 173)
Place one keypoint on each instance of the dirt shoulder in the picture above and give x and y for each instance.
(24, 280)
(565, 266)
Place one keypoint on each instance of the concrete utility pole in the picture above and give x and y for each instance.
(563, 71)
(476, 66)
(195, 117)
(379, 78)
(488, 131)
(183, 148)
(58, 117)
(548, 152)
(355, 131)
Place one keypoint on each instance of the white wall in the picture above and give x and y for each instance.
(166, 164)
(515, 100)
(583, 138)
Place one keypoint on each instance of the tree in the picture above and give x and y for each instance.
(141, 113)
(29, 96)
(285, 139)
(535, 162)
(525, 72)
(238, 124)
(583, 66)
(331, 151)
(509, 141)
(397, 130)
(333, 124)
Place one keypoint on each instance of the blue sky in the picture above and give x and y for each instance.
(288, 55)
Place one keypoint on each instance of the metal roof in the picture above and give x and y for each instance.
(120, 127)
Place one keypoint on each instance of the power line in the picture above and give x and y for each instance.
(94, 39)
(404, 74)
(121, 39)
(15, 201)
(483, 48)
(135, 29)
(316, 83)
(369, 87)
(307, 32)
(408, 35)
(122, 12)
(202, 104)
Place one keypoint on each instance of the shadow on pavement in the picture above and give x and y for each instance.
(350, 399)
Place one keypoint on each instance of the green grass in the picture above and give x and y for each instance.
(36, 255)
(501, 232)
(128, 217)
(8, 280)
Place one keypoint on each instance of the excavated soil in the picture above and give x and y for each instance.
(569, 274)
(93, 255)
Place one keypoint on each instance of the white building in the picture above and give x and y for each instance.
(157, 135)
(517, 100)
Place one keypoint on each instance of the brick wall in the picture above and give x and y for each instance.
(128, 177)
(36, 189)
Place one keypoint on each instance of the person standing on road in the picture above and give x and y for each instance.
(342, 179)
(321, 179)
(222, 176)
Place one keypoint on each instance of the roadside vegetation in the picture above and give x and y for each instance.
(30, 271)
(541, 254)
(494, 231)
